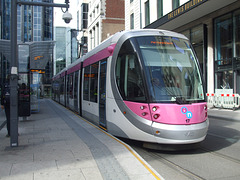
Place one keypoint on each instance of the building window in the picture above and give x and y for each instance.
(175, 4)
(159, 8)
(132, 21)
(77, 20)
(147, 13)
(84, 10)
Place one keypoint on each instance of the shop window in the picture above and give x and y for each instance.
(224, 80)
(224, 39)
(227, 51)
(237, 33)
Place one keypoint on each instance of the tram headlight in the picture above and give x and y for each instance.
(205, 107)
(154, 108)
(155, 116)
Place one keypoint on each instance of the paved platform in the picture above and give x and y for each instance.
(57, 144)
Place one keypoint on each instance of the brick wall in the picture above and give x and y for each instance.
(115, 18)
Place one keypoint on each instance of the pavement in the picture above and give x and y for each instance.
(224, 114)
(55, 143)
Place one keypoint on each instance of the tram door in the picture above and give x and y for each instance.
(102, 94)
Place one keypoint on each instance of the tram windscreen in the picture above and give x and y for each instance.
(172, 69)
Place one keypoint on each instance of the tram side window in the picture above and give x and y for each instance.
(94, 82)
(86, 83)
(128, 75)
(91, 82)
(75, 84)
(70, 86)
(61, 86)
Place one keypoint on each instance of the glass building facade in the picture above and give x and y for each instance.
(60, 49)
(34, 23)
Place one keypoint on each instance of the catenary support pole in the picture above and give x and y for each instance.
(14, 77)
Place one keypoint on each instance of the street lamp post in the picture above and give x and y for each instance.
(14, 64)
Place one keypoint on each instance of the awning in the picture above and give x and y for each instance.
(188, 12)
(40, 52)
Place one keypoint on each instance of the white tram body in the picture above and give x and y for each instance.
(144, 85)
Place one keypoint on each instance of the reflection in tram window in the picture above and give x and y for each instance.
(91, 82)
(129, 76)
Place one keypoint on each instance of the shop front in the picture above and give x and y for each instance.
(227, 51)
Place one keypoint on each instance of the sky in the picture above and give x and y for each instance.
(58, 21)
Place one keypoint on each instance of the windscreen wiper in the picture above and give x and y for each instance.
(181, 100)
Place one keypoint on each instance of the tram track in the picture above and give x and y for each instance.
(226, 157)
(149, 154)
(174, 166)
(158, 159)
(229, 158)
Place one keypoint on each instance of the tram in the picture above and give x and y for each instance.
(143, 85)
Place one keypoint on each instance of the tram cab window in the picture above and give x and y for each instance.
(128, 74)
(172, 69)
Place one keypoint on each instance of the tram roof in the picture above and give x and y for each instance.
(113, 40)
(130, 33)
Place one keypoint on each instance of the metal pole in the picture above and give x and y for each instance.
(30, 3)
(13, 77)
(140, 14)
